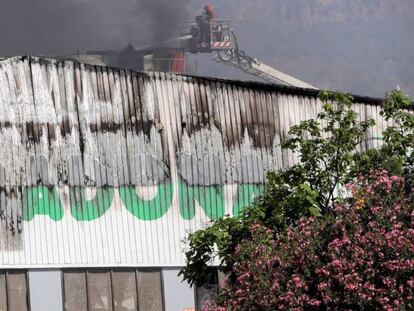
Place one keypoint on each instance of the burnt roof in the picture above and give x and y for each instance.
(266, 86)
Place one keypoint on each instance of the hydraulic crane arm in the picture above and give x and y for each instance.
(210, 35)
(252, 66)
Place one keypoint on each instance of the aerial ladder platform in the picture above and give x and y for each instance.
(207, 34)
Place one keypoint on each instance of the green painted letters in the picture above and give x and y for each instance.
(244, 196)
(84, 210)
(147, 210)
(211, 200)
(42, 200)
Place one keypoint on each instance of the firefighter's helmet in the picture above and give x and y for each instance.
(210, 11)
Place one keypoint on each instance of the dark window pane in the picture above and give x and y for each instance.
(75, 291)
(205, 292)
(124, 290)
(149, 290)
(99, 290)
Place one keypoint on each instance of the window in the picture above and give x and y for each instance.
(204, 292)
(118, 289)
(99, 290)
(124, 290)
(150, 290)
(13, 291)
(74, 288)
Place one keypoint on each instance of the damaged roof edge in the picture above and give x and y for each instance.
(252, 84)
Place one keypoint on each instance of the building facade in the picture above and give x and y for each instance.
(104, 172)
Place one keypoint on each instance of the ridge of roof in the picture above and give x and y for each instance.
(251, 84)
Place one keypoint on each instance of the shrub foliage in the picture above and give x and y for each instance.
(360, 257)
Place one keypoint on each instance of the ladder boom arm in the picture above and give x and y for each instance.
(256, 68)
(210, 35)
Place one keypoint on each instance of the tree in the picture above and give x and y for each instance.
(326, 157)
(396, 155)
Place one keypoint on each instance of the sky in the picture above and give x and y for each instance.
(359, 46)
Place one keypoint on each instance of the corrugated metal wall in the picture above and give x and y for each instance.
(105, 167)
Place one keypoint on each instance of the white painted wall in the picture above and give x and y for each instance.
(178, 295)
(45, 288)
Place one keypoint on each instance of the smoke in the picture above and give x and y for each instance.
(49, 27)
(359, 46)
(164, 16)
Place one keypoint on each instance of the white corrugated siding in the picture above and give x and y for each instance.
(81, 143)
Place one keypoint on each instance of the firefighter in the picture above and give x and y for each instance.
(204, 22)
(210, 14)
(202, 34)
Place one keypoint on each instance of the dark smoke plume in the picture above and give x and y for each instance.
(50, 27)
(164, 16)
(362, 46)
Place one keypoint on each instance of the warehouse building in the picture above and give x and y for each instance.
(104, 172)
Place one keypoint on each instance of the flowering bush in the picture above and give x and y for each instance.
(359, 257)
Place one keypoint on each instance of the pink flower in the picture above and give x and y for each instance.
(314, 303)
(336, 263)
(351, 286)
(363, 253)
(322, 286)
(297, 281)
